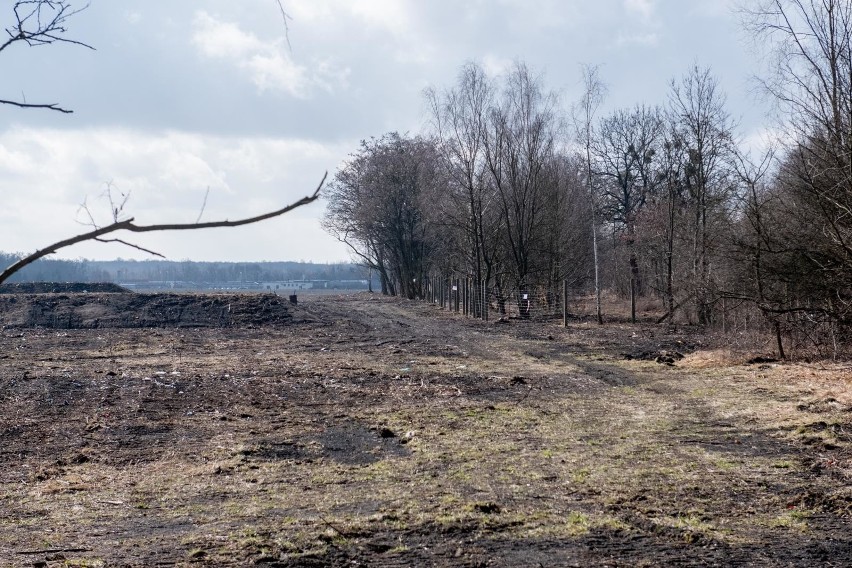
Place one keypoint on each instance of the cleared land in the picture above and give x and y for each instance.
(376, 432)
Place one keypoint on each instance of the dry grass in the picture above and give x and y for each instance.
(391, 434)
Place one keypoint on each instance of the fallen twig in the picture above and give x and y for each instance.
(52, 551)
(332, 527)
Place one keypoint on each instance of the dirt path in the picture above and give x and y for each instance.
(378, 432)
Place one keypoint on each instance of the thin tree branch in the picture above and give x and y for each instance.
(53, 106)
(128, 225)
(285, 17)
(40, 22)
(131, 245)
(203, 205)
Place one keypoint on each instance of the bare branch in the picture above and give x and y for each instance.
(285, 16)
(40, 22)
(131, 245)
(128, 225)
(203, 204)
(53, 106)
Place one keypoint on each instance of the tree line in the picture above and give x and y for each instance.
(509, 187)
(145, 271)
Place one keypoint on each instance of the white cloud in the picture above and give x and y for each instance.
(496, 66)
(645, 8)
(759, 140)
(268, 63)
(393, 27)
(390, 15)
(648, 39)
(48, 173)
(713, 8)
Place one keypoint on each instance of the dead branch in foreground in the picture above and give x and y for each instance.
(128, 225)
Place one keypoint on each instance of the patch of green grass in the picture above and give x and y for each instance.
(691, 521)
(580, 475)
(723, 464)
(796, 519)
(577, 522)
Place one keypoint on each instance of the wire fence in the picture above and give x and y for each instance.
(734, 323)
(474, 299)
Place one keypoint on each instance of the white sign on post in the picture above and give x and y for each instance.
(455, 288)
(526, 297)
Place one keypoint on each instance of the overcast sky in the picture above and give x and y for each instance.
(179, 97)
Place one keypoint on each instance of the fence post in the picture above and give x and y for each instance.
(485, 301)
(564, 303)
(464, 297)
(458, 295)
(467, 296)
(632, 299)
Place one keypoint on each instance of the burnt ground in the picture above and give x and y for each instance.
(363, 431)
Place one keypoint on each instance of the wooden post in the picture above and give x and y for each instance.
(464, 297)
(485, 301)
(564, 303)
(632, 299)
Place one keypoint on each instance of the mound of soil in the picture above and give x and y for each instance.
(61, 288)
(131, 310)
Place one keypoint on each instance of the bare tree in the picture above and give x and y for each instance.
(698, 107)
(672, 163)
(756, 240)
(380, 206)
(520, 146)
(810, 48)
(625, 160)
(594, 92)
(459, 117)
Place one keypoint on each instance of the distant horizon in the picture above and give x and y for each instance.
(155, 259)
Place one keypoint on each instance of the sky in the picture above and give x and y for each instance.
(216, 108)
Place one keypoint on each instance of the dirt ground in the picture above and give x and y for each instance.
(364, 431)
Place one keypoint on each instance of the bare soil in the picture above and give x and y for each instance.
(365, 431)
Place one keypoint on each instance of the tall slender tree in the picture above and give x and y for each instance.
(698, 107)
(594, 92)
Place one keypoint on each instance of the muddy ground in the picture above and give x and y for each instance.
(362, 431)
